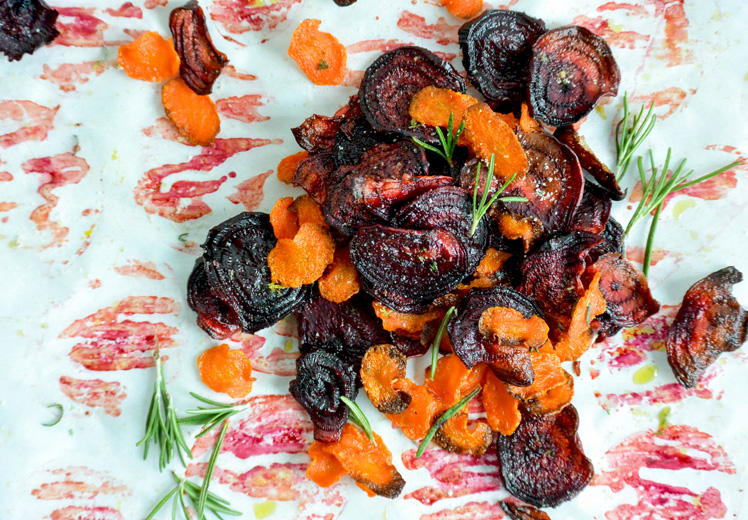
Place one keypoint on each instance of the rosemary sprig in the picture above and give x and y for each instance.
(60, 411)
(202, 499)
(657, 188)
(213, 502)
(357, 416)
(444, 418)
(449, 141)
(480, 209)
(631, 134)
(210, 417)
(161, 425)
(438, 338)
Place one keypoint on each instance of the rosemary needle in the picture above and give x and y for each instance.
(438, 338)
(209, 471)
(210, 417)
(358, 417)
(630, 135)
(480, 209)
(444, 418)
(449, 142)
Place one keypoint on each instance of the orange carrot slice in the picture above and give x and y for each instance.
(227, 371)
(302, 260)
(578, 337)
(324, 469)
(464, 8)
(415, 422)
(552, 386)
(508, 327)
(340, 281)
(381, 367)
(457, 435)
(453, 380)
(319, 54)
(285, 222)
(195, 117)
(526, 123)
(309, 211)
(403, 324)
(487, 134)
(432, 106)
(149, 58)
(502, 409)
(287, 166)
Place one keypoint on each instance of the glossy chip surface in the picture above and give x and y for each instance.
(26, 25)
(542, 462)
(709, 322)
(213, 316)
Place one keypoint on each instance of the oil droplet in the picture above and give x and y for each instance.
(288, 346)
(601, 111)
(664, 420)
(645, 374)
(264, 509)
(682, 206)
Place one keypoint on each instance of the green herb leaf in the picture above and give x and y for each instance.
(210, 417)
(630, 134)
(183, 237)
(358, 416)
(444, 418)
(60, 411)
(209, 471)
(480, 208)
(438, 338)
(322, 65)
(276, 287)
(448, 142)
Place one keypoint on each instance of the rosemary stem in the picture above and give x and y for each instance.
(650, 239)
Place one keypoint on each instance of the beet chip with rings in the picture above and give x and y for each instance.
(238, 274)
(518, 512)
(313, 175)
(26, 25)
(390, 83)
(709, 322)
(542, 462)
(213, 316)
(496, 51)
(570, 70)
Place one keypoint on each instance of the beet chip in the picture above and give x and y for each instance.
(542, 462)
(510, 364)
(321, 379)
(571, 68)
(407, 269)
(593, 212)
(313, 175)
(25, 25)
(496, 51)
(213, 316)
(390, 83)
(317, 133)
(238, 274)
(709, 322)
(518, 512)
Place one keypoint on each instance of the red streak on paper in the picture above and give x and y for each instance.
(375, 45)
(282, 482)
(272, 424)
(616, 6)
(84, 30)
(240, 16)
(353, 78)
(614, 38)
(242, 108)
(442, 32)
(279, 362)
(645, 337)
(113, 343)
(95, 284)
(636, 254)
(95, 393)
(184, 200)
(137, 269)
(6, 177)
(470, 511)
(452, 474)
(287, 327)
(165, 129)
(676, 29)
(126, 10)
(79, 482)
(678, 447)
(134, 33)
(68, 75)
(230, 71)
(250, 192)
(152, 4)
(35, 122)
(672, 97)
(7, 206)
(56, 171)
(664, 394)
(86, 513)
(713, 189)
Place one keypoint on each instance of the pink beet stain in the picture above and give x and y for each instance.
(715, 188)
(69, 75)
(282, 482)
(672, 97)
(79, 27)
(95, 393)
(184, 201)
(165, 129)
(242, 108)
(353, 78)
(441, 32)
(381, 45)
(86, 513)
(7, 206)
(636, 254)
(95, 284)
(614, 38)
(56, 171)
(663, 394)
(34, 121)
(631, 8)
(677, 447)
(250, 192)
(79, 482)
(272, 424)
(625, 357)
(470, 511)
(6, 176)
(279, 362)
(240, 16)
(230, 71)
(138, 269)
(126, 10)
(113, 343)
(452, 474)
(152, 4)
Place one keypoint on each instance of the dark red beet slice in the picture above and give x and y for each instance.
(571, 68)
(345, 329)
(236, 265)
(709, 322)
(410, 347)
(321, 379)
(553, 185)
(593, 212)
(449, 208)
(390, 83)
(518, 512)
(553, 274)
(510, 364)
(200, 62)
(213, 316)
(628, 299)
(496, 51)
(407, 269)
(317, 133)
(26, 25)
(344, 3)
(589, 161)
(313, 175)
(542, 462)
